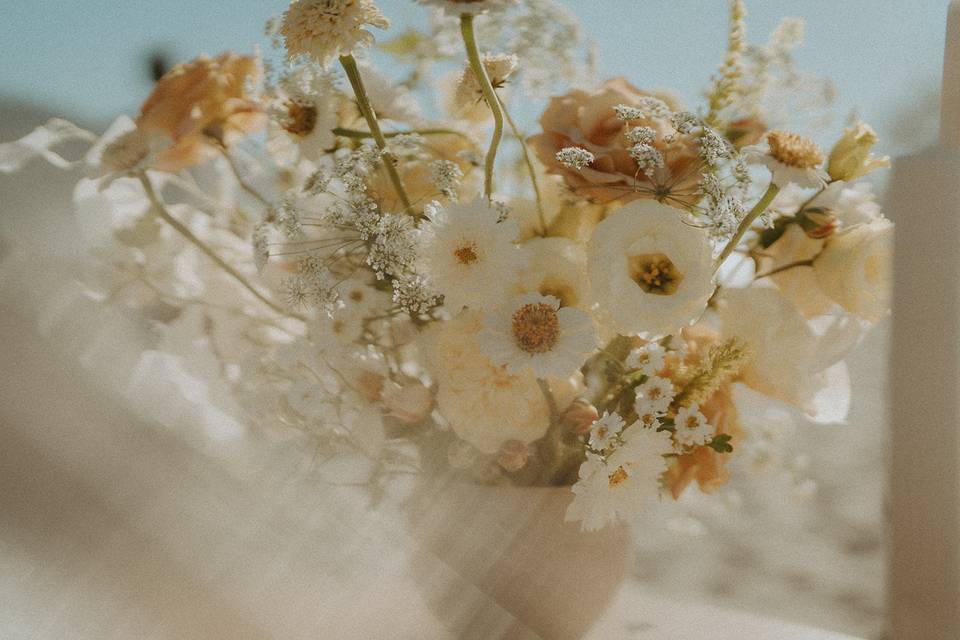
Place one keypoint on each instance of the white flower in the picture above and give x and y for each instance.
(648, 359)
(472, 7)
(615, 488)
(792, 159)
(358, 302)
(654, 396)
(468, 93)
(855, 269)
(575, 157)
(692, 427)
(484, 404)
(852, 204)
(533, 332)
(302, 115)
(325, 29)
(605, 430)
(555, 267)
(468, 256)
(649, 271)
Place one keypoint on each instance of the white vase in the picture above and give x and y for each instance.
(510, 567)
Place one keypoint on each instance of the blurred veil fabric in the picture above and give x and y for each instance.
(136, 505)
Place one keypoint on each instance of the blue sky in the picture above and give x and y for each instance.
(84, 58)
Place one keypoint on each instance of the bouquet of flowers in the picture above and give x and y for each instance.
(599, 305)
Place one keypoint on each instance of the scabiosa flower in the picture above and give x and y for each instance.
(792, 159)
(468, 93)
(654, 396)
(533, 332)
(468, 256)
(605, 430)
(649, 271)
(325, 29)
(469, 7)
(692, 427)
(648, 359)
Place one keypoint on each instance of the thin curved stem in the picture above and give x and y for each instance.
(241, 181)
(746, 223)
(361, 135)
(185, 231)
(530, 168)
(786, 267)
(349, 64)
(473, 55)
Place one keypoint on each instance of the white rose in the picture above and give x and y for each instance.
(649, 271)
(855, 269)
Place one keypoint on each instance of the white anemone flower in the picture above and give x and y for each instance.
(533, 332)
(649, 271)
(792, 159)
(468, 255)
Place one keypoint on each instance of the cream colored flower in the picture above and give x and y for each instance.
(468, 100)
(792, 159)
(326, 29)
(850, 158)
(302, 115)
(852, 204)
(555, 267)
(855, 269)
(468, 256)
(484, 404)
(649, 271)
(533, 333)
(410, 403)
(471, 7)
(692, 428)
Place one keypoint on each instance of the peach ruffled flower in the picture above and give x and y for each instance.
(703, 465)
(587, 120)
(199, 104)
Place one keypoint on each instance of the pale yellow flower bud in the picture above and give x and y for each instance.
(850, 157)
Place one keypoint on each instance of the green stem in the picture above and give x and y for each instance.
(786, 267)
(349, 64)
(473, 55)
(530, 168)
(361, 135)
(747, 222)
(183, 230)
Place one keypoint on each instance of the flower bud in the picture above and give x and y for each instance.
(410, 403)
(850, 157)
(513, 456)
(818, 223)
(580, 416)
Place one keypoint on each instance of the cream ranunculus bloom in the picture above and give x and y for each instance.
(485, 405)
(649, 271)
(855, 269)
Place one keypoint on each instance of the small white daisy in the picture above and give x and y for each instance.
(302, 114)
(648, 359)
(692, 428)
(792, 159)
(468, 256)
(654, 396)
(533, 332)
(605, 430)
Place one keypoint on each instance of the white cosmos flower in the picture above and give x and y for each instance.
(614, 488)
(605, 430)
(654, 396)
(556, 267)
(792, 159)
(468, 256)
(302, 115)
(649, 271)
(533, 332)
(692, 427)
(648, 359)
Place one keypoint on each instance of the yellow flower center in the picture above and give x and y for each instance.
(618, 477)
(301, 118)
(692, 422)
(794, 150)
(655, 273)
(466, 254)
(536, 327)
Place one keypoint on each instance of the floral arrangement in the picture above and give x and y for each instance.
(600, 305)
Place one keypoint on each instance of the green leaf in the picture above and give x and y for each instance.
(721, 443)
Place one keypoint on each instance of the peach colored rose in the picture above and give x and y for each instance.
(198, 102)
(588, 121)
(703, 464)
